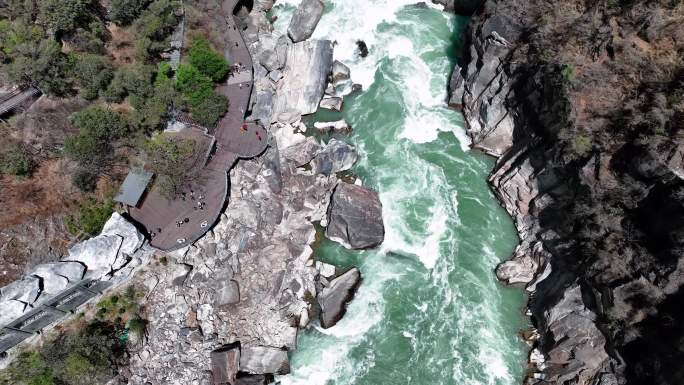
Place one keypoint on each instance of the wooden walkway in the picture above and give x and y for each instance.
(176, 223)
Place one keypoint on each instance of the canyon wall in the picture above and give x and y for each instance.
(582, 104)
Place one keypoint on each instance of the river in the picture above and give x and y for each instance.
(429, 310)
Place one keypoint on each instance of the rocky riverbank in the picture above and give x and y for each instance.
(228, 308)
(241, 294)
(582, 105)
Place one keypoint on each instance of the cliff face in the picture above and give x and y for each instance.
(582, 103)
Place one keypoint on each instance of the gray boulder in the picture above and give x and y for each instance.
(25, 290)
(340, 72)
(11, 310)
(98, 254)
(335, 157)
(334, 298)
(264, 360)
(302, 153)
(225, 364)
(304, 79)
(355, 217)
(118, 225)
(332, 103)
(256, 379)
(56, 276)
(269, 59)
(228, 293)
(305, 20)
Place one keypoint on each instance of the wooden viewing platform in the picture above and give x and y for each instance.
(204, 197)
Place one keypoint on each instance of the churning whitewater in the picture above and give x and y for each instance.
(429, 310)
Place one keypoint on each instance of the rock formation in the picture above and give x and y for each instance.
(304, 77)
(110, 256)
(333, 298)
(580, 105)
(305, 20)
(336, 156)
(355, 217)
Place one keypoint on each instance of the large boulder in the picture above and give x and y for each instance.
(252, 379)
(98, 254)
(333, 103)
(340, 72)
(302, 153)
(304, 78)
(56, 276)
(264, 360)
(25, 290)
(118, 225)
(355, 217)
(334, 298)
(335, 157)
(225, 364)
(305, 20)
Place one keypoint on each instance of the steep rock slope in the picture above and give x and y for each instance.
(582, 103)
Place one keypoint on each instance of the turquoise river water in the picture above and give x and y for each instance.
(429, 310)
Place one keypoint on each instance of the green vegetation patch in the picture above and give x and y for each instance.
(91, 215)
(206, 60)
(17, 162)
(168, 157)
(78, 357)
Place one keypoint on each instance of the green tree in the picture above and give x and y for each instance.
(210, 110)
(16, 161)
(206, 60)
(40, 63)
(124, 12)
(63, 16)
(190, 81)
(93, 74)
(168, 156)
(85, 179)
(98, 127)
(154, 26)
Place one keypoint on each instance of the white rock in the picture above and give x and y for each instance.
(25, 290)
(97, 253)
(264, 359)
(332, 103)
(325, 269)
(118, 225)
(304, 78)
(337, 126)
(11, 310)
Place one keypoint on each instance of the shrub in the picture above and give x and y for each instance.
(210, 110)
(85, 180)
(93, 74)
(80, 357)
(153, 26)
(568, 72)
(192, 83)
(91, 215)
(137, 326)
(581, 145)
(63, 16)
(206, 60)
(167, 157)
(124, 12)
(98, 127)
(16, 162)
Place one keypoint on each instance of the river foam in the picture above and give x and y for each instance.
(429, 310)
